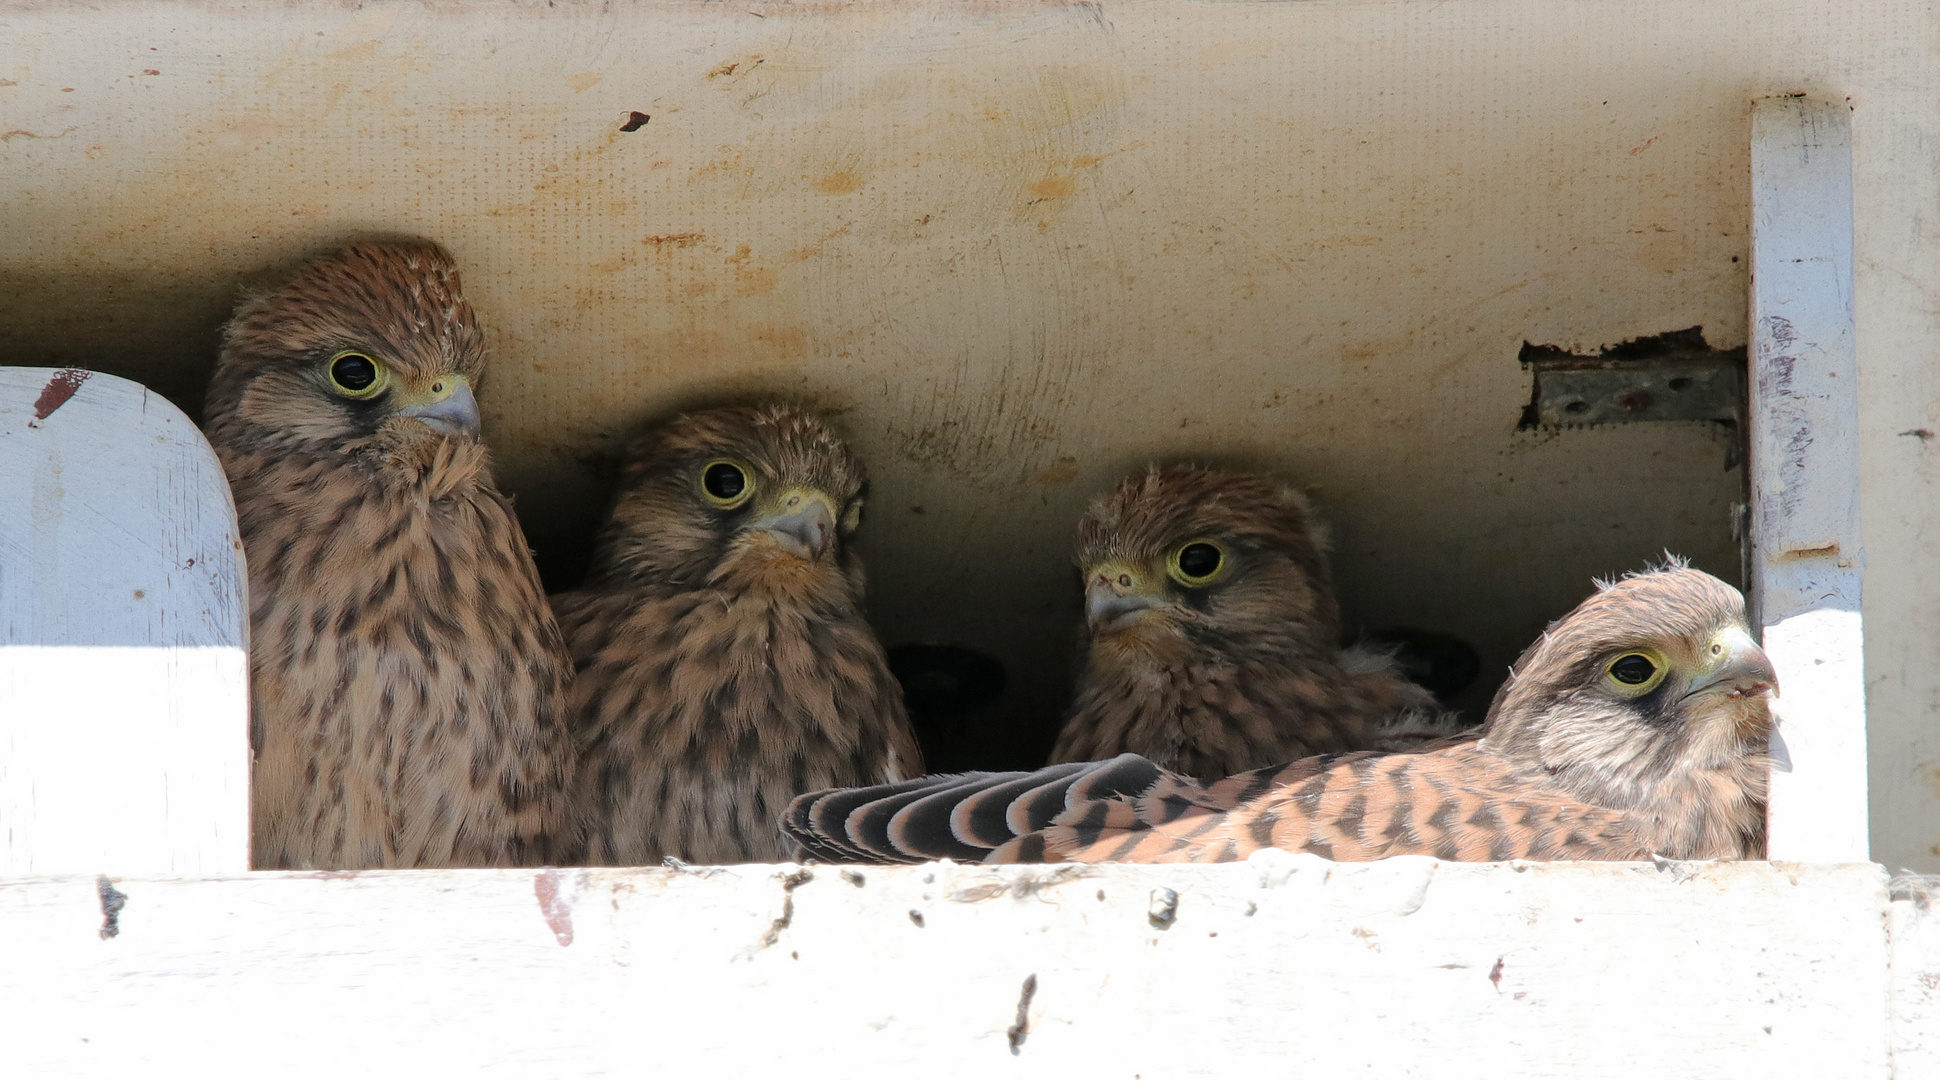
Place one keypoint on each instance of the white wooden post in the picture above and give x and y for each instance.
(123, 676)
(1807, 562)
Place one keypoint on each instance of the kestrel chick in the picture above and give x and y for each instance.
(724, 665)
(407, 677)
(1212, 635)
(1637, 725)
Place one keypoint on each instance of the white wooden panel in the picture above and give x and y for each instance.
(1287, 964)
(123, 674)
(1913, 927)
(1807, 562)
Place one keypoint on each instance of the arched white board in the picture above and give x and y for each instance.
(123, 628)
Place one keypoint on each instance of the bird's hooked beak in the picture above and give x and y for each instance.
(446, 403)
(1116, 595)
(802, 521)
(1738, 667)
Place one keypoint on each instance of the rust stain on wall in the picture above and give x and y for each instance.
(1051, 187)
(56, 393)
(1062, 471)
(838, 183)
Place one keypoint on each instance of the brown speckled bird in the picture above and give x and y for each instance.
(724, 665)
(407, 677)
(1637, 725)
(1212, 634)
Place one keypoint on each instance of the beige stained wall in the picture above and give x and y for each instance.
(1018, 249)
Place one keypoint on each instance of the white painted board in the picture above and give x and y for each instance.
(1806, 559)
(123, 629)
(1286, 964)
(1913, 927)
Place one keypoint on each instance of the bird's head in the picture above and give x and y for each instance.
(369, 351)
(1181, 562)
(1652, 676)
(763, 493)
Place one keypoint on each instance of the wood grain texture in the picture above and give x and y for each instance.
(1401, 968)
(123, 678)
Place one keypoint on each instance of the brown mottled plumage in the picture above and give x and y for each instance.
(1637, 725)
(1240, 670)
(407, 677)
(724, 665)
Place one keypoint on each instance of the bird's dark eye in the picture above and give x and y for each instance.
(1197, 562)
(726, 483)
(1633, 669)
(353, 374)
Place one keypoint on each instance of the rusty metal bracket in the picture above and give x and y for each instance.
(1673, 376)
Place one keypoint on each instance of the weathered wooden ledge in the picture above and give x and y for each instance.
(1398, 968)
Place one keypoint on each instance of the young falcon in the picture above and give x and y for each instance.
(1212, 636)
(1637, 725)
(407, 677)
(724, 665)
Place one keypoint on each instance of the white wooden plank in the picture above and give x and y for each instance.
(1913, 928)
(123, 674)
(1286, 964)
(1807, 562)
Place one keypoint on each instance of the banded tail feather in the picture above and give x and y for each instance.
(1636, 726)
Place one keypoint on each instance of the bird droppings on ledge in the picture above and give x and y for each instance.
(1681, 870)
(554, 906)
(854, 877)
(1164, 907)
(916, 917)
(789, 883)
(1018, 885)
(1495, 975)
(112, 901)
(1021, 1029)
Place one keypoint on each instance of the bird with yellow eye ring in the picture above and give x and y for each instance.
(724, 662)
(394, 602)
(1211, 637)
(1637, 726)
(1638, 673)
